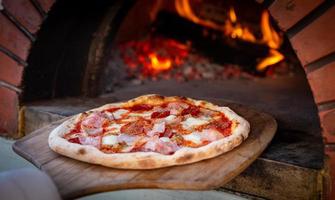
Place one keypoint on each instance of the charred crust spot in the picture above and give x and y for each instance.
(81, 151)
(183, 98)
(185, 158)
(160, 97)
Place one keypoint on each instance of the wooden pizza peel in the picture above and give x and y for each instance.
(75, 178)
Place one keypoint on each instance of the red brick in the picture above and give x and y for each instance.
(327, 120)
(46, 4)
(322, 82)
(317, 39)
(10, 70)
(289, 12)
(330, 152)
(13, 39)
(25, 12)
(8, 112)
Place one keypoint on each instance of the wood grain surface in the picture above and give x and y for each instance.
(75, 178)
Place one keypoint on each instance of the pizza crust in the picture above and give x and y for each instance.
(149, 160)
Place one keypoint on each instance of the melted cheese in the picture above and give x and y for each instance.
(144, 114)
(110, 140)
(118, 113)
(169, 118)
(114, 128)
(191, 121)
(165, 139)
(193, 137)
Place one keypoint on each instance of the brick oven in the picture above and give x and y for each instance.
(58, 58)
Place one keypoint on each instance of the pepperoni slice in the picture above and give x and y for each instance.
(138, 127)
(156, 115)
(141, 107)
(193, 110)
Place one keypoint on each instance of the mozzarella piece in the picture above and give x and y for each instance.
(191, 121)
(165, 139)
(170, 118)
(144, 114)
(158, 128)
(110, 140)
(193, 137)
(118, 113)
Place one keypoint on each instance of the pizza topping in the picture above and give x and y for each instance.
(167, 133)
(161, 128)
(141, 107)
(223, 126)
(128, 139)
(93, 124)
(141, 126)
(191, 122)
(74, 140)
(210, 135)
(118, 114)
(157, 129)
(170, 119)
(158, 145)
(110, 140)
(193, 110)
(176, 107)
(160, 114)
(193, 137)
(93, 141)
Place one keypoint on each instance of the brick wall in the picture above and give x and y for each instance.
(310, 27)
(19, 22)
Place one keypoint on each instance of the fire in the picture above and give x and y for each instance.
(153, 56)
(159, 64)
(273, 58)
(236, 30)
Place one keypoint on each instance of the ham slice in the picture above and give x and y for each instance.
(93, 124)
(93, 141)
(163, 146)
(176, 107)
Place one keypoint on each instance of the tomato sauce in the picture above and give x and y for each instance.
(223, 126)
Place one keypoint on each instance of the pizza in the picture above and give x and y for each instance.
(150, 131)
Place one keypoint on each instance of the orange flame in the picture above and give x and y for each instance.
(159, 64)
(232, 28)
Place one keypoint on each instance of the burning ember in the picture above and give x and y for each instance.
(159, 57)
(236, 30)
(153, 56)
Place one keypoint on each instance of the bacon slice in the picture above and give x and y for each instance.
(160, 146)
(93, 124)
(176, 107)
(157, 129)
